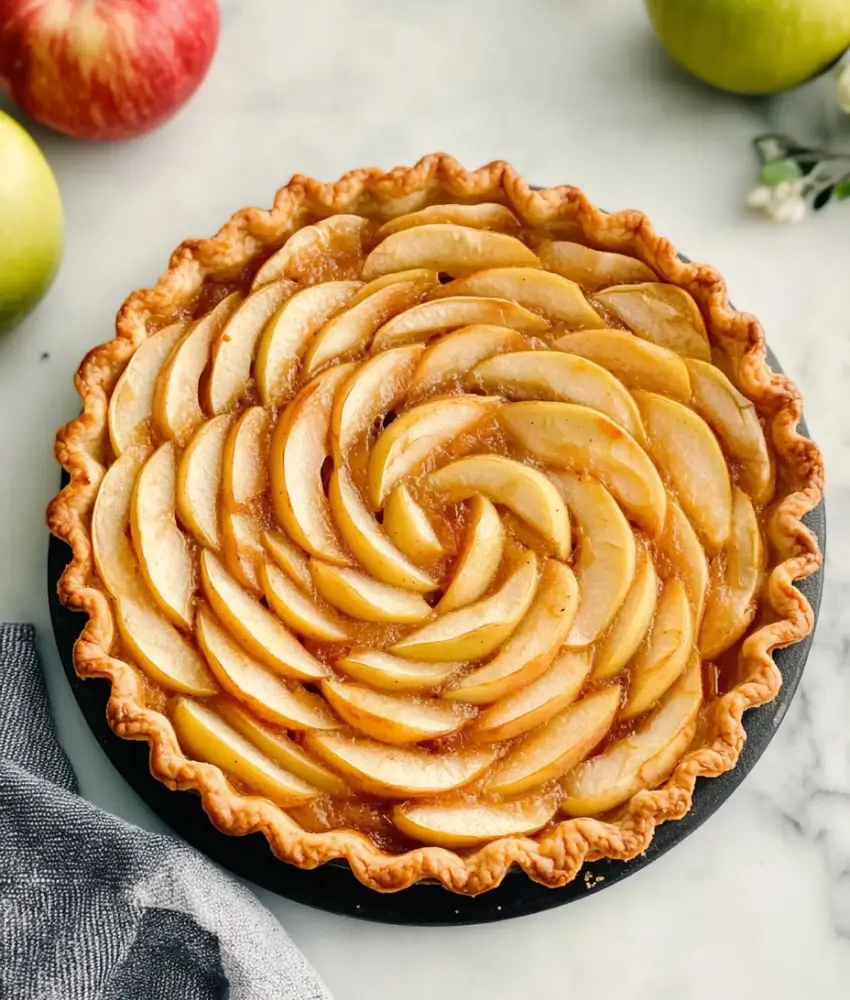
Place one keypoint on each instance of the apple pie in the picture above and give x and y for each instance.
(437, 524)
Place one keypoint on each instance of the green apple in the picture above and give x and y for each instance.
(31, 223)
(753, 46)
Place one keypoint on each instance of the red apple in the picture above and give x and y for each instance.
(105, 69)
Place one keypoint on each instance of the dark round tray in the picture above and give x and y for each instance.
(332, 886)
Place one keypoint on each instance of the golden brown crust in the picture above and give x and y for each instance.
(554, 857)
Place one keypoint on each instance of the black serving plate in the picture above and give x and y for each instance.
(332, 886)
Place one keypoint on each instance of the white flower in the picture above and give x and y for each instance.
(760, 197)
(842, 87)
(788, 209)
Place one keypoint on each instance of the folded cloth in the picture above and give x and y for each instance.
(92, 908)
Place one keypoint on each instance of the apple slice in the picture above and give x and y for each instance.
(445, 247)
(534, 288)
(565, 377)
(427, 318)
(340, 234)
(663, 314)
(685, 450)
(177, 409)
(233, 350)
(352, 331)
(366, 599)
(254, 626)
(398, 772)
(131, 402)
(477, 630)
(532, 647)
(280, 749)
(536, 703)
(205, 736)
(592, 269)
(524, 490)
(575, 437)
(393, 673)
(734, 420)
(457, 353)
(375, 387)
(298, 450)
(250, 682)
(418, 275)
(164, 553)
(242, 547)
(199, 476)
(680, 545)
(637, 363)
(288, 335)
(631, 623)
(479, 557)
(642, 759)
(466, 824)
(289, 557)
(416, 434)
(735, 579)
(391, 718)
(296, 609)
(245, 469)
(487, 215)
(367, 540)
(408, 526)
(664, 654)
(558, 746)
(605, 567)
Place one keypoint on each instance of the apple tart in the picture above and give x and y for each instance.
(437, 524)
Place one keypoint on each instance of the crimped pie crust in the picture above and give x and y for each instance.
(555, 856)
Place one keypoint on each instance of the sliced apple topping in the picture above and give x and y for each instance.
(412, 437)
(394, 673)
(479, 557)
(735, 578)
(452, 356)
(361, 597)
(418, 275)
(565, 377)
(431, 317)
(131, 402)
(391, 718)
(340, 234)
(245, 470)
(663, 314)
(487, 215)
(701, 483)
(289, 557)
(254, 626)
(575, 437)
(280, 749)
(592, 269)
(398, 772)
(289, 333)
(408, 526)
(242, 548)
(466, 824)
(297, 609)
(686, 556)
(536, 703)
(605, 567)
(114, 558)
(164, 552)
(532, 647)
(664, 654)
(199, 477)
(177, 409)
(631, 623)
(449, 248)
(479, 629)
(558, 746)
(637, 363)
(206, 737)
(734, 420)
(641, 760)
(250, 682)
(298, 450)
(524, 490)
(534, 288)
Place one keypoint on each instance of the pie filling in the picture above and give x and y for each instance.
(437, 528)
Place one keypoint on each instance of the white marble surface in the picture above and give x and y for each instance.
(757, 902)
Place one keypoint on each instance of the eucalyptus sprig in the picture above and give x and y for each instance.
(795, 178)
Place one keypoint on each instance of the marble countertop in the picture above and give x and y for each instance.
(757, 901)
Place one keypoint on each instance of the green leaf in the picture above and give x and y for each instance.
(778, 171)
(842, 190)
